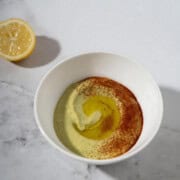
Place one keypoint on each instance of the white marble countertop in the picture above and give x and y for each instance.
(147, 31)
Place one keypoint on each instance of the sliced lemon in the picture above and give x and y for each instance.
(17, 39)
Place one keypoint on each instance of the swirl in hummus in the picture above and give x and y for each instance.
(98, 118)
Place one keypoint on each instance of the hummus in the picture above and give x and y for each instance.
(98, 118)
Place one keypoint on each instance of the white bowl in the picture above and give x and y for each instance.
(118, 68)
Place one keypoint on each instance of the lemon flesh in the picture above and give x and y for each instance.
(17, 39)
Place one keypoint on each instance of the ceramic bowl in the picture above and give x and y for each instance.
(113, 66)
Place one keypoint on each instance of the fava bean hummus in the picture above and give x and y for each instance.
(98, 118)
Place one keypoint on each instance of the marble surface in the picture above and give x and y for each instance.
(147, 31)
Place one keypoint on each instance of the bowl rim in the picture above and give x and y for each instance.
(80, 158)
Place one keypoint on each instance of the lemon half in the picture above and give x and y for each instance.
(17, 39)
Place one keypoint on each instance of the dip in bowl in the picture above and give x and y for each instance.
(119, 69)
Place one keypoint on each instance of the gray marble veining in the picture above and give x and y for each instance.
(22, 148)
